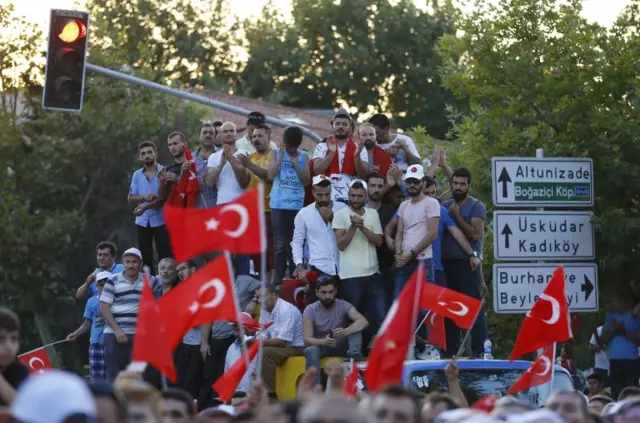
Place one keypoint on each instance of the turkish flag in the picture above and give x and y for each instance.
(150, 343)
(206, 296)
(351, 381)
(547, 321)
(184, 193)
(237, 227)
(226, 385)
(539, 373)
(37, 361)
(435, 328)
(460, 308)
(390, 347)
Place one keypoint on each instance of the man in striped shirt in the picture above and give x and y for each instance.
(119, 306)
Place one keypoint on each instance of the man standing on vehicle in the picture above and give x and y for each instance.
(469, 215)
(119, 307)
(331, 327)
(107, 253)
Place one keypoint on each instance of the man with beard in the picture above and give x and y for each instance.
(331, 327)
(145, 184)
(378, 159)
(258, 163)
(376, 188)
(254, 120)
(312, 226)
(469, 215)
(208, 135)
(358, 234)
(340, 158)
(418, 220)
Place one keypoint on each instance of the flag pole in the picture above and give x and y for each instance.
(422, 322)
(243, 345)
(416, 308)
(468, 334)
(43, 347)
(553, 373)
(263, 278)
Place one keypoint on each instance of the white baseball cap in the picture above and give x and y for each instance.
(358, 181)
(414, 172)
(51, 397)
(132, 252)
(319, 179)
(103, 275)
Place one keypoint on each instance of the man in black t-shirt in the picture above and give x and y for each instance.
(12, 371)
(375, 189)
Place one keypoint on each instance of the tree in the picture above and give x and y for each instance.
(177, 40)
(368, 54)
(538, 75)
(64, 185)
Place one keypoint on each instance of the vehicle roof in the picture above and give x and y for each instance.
(471, 364)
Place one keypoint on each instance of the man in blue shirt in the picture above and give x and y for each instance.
(150, 227)
(106, 253)
(93, 319)
(620, 333)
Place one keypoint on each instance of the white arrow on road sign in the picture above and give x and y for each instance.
(552, 182)
(543, 235)
(517, 286)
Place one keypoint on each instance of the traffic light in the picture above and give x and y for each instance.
(66, 60)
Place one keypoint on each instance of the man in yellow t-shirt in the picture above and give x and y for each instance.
(257, 163)
(358, 234)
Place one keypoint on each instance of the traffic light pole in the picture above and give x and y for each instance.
(192, 97)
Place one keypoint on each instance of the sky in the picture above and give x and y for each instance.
(37, 11)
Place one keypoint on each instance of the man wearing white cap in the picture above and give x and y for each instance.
(93, 320)
(313, 226)
(119, 306)
(418, 220)
(53, 397)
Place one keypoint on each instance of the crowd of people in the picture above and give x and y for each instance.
(349, 223)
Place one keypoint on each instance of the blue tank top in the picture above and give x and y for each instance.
(287, 192)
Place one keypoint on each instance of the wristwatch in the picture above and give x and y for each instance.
(473, 254)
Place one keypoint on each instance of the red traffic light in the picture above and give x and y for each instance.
(72, 31)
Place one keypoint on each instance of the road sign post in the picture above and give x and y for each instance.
(543, 235)
(518, 285)
(542, 182)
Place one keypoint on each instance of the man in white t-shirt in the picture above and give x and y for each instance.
(229, 177)
(601, 359)
(400, 147)
(418, 220)
(341, 158)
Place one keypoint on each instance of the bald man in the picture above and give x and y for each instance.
(224, 170)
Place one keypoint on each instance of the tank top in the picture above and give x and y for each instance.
(287, 192)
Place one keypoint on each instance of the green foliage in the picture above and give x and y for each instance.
(368, 54)
(538, 75)
(174, 40)
(65, 179)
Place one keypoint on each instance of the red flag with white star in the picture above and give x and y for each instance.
(237, 227)
(184, 193)
(37, 361)
(206, 296)
(539, 373)
(390, 347)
